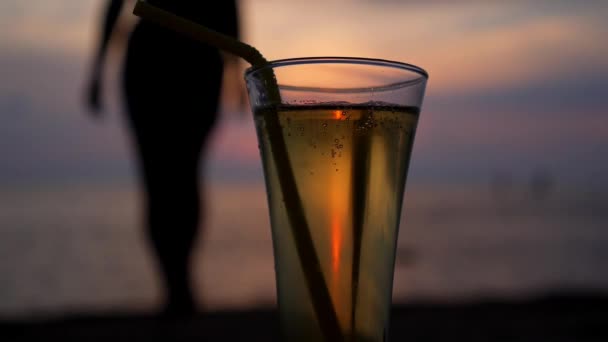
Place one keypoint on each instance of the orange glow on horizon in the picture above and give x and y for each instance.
(336, 242)
(336, 207)
(337, 114)
(336, 210)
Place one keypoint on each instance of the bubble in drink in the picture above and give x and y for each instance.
(353, 214)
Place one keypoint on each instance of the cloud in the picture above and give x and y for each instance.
(44, 130)
(544, 50)
(60, 24)
(507, 87)
(464, 47)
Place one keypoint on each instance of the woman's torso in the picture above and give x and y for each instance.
(152, 45)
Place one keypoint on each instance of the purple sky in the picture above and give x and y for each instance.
(514, 87)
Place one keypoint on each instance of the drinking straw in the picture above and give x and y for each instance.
(360, 171)
(309, 260)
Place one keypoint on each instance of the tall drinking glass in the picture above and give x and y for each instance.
(335, 149)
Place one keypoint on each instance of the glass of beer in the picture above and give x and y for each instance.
(335, 147)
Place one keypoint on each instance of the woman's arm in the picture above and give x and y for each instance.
(109, 22)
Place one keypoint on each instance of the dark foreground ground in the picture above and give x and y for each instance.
(556, 318)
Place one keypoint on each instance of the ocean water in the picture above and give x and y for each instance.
(81, 248)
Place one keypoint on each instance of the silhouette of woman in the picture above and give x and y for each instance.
(172, 87)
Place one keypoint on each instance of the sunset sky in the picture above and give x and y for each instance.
(514, 86)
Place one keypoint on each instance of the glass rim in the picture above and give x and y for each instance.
(423, 74)
(338, 60)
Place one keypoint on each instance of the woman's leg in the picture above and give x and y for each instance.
(169, 158)
(172, 112)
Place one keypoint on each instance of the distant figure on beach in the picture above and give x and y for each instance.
(172, 89)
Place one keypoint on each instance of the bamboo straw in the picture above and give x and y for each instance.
(309, 260)
(360, 172)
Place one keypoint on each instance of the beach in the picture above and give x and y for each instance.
(565, 317)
